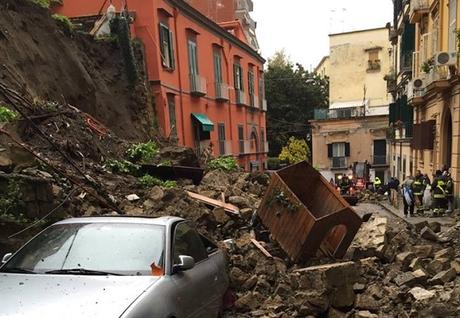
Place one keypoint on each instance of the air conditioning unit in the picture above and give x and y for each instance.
(445, 58)
(418, 83)
(415, 88)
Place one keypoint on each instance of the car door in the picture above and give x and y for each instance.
(196, 288)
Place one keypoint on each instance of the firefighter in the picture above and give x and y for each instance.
(418, 189)
(438, 188)
(344, 184)
(449, 191)
(377, 184)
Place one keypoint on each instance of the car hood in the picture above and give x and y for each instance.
(69, 295)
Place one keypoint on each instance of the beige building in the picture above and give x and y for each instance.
(323, 67)
(431, 85)
(354, 127)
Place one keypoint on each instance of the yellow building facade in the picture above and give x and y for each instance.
(431, 86)
(353, 128)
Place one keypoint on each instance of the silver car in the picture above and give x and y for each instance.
(115, 267)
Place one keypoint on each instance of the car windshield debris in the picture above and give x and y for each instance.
(92, 249)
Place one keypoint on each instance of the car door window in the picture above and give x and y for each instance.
(188, 242)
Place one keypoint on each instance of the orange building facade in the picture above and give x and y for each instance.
(206, 79)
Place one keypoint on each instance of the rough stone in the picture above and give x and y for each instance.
(132, 197)
(371, 238)
(423, 251)
(421, 294)
(444, 277)
(237, 276)
(250, 282)
(420, 225)
(337, 279)
(405, 258)
(435, 226)
(365, 314)
(428, 234)
(359, 288)
(367, 302)
(249, 301)
(410, 278)
(437, 265)
(156, 193)
(239, 201)
(445, 253)
(455, 264)
(220, 215)
(334, 313)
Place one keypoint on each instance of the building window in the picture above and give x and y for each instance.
(251, 88)
(221, 136)
(192, 57)
(452, 25)
(261, 88)
(380, 152)
(218, 66)
(241, 138)
(172, 113)
(374, 61)
(338, 153)
(238, 76)
(166, 47)
(262, 140)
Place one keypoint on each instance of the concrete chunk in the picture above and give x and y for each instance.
(421, 294)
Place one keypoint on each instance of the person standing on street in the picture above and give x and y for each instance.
(418, 189)
(408, 197)
(449, 191)
(438, 188)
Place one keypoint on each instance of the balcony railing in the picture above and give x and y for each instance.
(437, 73)
(266, 146)
(417, 9)
(339, 163)
(253, 101)
(244, 5)
(198, 85)
(373, 65)
(340, 113)
(415, 64)
(241, 98)
(402, 131)
(221, 91)
(241, 146)
(263, 104)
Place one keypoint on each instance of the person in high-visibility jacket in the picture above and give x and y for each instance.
(438, 188)
(377, 184)
(418, 188)
(449, 191)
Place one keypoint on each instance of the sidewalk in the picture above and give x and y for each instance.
(443, 220)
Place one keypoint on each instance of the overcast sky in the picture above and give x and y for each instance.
(301, 27)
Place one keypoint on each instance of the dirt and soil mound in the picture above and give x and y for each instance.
(42, 62)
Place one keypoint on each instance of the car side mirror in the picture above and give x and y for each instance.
(6, 258)
(186, 263)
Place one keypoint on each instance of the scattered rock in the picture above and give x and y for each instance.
(428, 234)
(443, 277)
(420, 294)
(132, 197)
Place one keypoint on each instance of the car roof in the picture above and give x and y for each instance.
(164, 220)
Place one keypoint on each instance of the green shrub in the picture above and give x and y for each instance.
(226, 163)
(42, 3)
(7, 115)
(295, 151)
(148, 181)
(122, 166)
(143, 152)
(63, 21)
(11, 202)
(273, 163)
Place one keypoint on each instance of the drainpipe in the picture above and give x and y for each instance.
(181, 97)
(226, 58)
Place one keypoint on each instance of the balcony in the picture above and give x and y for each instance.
(221, 92)
(253, 101)
(198, 85)
(339, 163)
(225, 148)
(339, 113)
(263, 105)
(241, 98)
(437, 78)
(417, 9)
(400, 132)
(244, 5)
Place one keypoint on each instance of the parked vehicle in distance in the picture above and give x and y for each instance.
(115, 267)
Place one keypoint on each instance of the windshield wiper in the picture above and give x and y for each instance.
(80, 271)
(17, 270)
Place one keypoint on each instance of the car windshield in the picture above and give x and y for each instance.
(116, 248)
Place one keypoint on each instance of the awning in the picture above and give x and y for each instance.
(206, 124)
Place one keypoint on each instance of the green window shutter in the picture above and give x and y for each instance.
(218, 68)
(162, 41)
(171, 51)
(240, 76)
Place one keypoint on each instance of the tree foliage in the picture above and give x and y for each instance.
(295, 151)
(292, 94)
